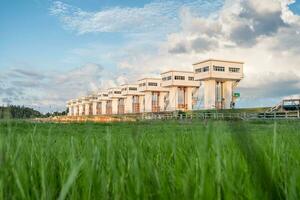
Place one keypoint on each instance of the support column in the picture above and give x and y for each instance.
(148, 101)
(95, 103)
(80, 110)
(75, 110)
(210, 94)
(114, 104)
(103, 107)
(161, 101)
(189, 98)
(227, 91)
(87, 109)
(142, 104)
(173, 99)
(128, 104)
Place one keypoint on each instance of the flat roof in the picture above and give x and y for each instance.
(115, 88)
(177, 71)
(218, 60)
(133, 84)
(149, 79)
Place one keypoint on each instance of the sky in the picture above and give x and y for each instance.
(53, 51)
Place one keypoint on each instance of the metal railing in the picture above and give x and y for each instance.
(222, 116)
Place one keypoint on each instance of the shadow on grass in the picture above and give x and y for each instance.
(257, 162)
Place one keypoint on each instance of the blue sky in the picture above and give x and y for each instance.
(51, 51)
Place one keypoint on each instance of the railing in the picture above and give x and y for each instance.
(223, 116)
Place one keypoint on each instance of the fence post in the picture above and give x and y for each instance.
(180, 116)
(286, 115)
(298, 113)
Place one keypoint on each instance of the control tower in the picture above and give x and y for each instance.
(219, 79)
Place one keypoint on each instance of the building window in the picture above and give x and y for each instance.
(179, 78)
(117, 92)
(142, 84)
(219, 68)
(167, 78)
(105, 95)
(191, 78)
(152, 84)
(202, 69)
(233, 69)
(133, 88)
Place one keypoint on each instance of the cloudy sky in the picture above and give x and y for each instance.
(51, 51)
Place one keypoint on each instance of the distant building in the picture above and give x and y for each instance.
(214, 80)
(219, 79)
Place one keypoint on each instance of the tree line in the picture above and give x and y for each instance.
(22, 112)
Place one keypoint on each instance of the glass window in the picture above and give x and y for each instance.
(179, 78)
(133, 88)
(234, 70)
(191, 78)
(152, 84)
(219, 68)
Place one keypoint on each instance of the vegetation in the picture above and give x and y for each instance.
(18, 112)
(22, 112)
(150, 160)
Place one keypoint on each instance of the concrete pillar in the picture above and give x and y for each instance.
(75, 110)
(162, 101)
(128, 104)
(148, 101)
(189, 98)
(95, 103)
(80, 110)
(114, 105)
(209, 94)
(142, 103)
(103, 107)
(87, 109)
(227, 92)
(173, 99)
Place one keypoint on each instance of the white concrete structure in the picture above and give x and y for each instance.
(154, 95)
(132, 98)
(115, 103)
(182, 90)
(219, 78)
(212, 79)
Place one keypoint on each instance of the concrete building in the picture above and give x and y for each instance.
(132, 98)
(115, 103)
(212, 81)
(154, 95)
(218, 79)
(182, 90)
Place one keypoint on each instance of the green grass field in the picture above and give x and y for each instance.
(150, 160)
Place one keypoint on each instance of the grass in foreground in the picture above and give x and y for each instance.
(150, 160)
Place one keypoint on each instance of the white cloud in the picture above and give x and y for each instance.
(49, 90)
(157, 15)
(257, 32)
